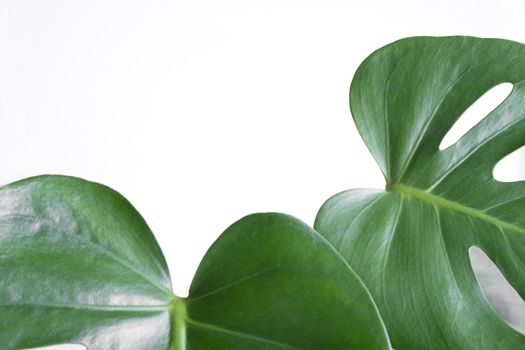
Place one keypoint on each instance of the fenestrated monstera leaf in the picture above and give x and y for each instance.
(410, 243)
(78, 264)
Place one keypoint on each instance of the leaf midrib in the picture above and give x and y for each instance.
(214, 328)
(181, 320)
(455, 206)
(95, 307)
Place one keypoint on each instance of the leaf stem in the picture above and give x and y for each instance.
(178, 320)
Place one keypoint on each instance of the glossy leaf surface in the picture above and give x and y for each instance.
(410, 243)
(78, 264)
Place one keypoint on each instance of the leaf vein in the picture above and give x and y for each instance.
(239, 334)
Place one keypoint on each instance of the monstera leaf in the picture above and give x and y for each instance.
(410, 243)
(79, 265)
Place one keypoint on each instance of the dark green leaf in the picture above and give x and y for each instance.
(79, 265)
(410, 244)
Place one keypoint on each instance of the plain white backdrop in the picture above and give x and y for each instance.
(201, 112)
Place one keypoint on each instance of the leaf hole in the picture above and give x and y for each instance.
(498, 291)
(512, 167)
(475, 113)
(60, 347)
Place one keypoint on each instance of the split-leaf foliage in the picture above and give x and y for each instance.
(78, 264)
(410, 243)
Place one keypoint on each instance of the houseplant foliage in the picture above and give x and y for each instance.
(410, 242)
(78, 264)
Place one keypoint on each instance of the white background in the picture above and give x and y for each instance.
(201, 112)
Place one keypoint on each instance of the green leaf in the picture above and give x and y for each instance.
(410, 243)
(78, 264)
